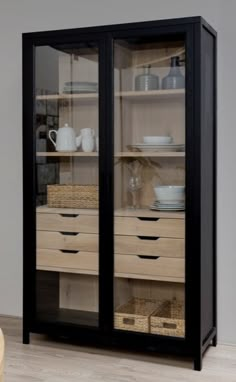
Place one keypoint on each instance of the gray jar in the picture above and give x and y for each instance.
(175, 79)
(146, 81)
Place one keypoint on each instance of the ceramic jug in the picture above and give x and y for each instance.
(87, 139)
(66, 139)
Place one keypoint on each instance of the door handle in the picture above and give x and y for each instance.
(148, 257)
(149, 219)
(148, 237)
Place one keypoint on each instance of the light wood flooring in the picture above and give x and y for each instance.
(47, 361)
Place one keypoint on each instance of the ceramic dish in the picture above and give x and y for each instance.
(170, 193)
(157, 140)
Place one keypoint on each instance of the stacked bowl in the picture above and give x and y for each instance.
(169, 198)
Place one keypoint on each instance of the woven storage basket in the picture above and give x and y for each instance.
(135, 315)
(168, 319)
(72, 196)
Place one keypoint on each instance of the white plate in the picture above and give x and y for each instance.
(147, 147)
(167, 209)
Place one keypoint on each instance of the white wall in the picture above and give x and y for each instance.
(26, 16)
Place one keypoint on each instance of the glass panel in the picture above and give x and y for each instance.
(149, 291)
(66, 133)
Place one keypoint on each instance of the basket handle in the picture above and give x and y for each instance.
(148, 237)
(128, 321)
(165, 325)
(169, 325)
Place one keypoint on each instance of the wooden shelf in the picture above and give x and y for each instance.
(139, 212)
(158, 154)
(139, 95)
(130, 94)
(72, 316)
(123, 154)
(66, 154)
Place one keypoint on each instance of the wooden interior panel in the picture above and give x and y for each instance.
(79, 292)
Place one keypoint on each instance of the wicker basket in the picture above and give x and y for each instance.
(135, 315)
(168, 319)
(72, 196)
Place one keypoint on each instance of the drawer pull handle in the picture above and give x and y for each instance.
(128, 321)
(149, 219)
(69, 215)
(148, 257)
(69, 233)
(148, 237)
(68, 251)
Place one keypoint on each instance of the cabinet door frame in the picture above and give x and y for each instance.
(185, 31)
(30, 43)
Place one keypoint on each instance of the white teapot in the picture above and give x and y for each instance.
(66, 139)
(87, 139)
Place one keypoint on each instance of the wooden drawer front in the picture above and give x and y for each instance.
(158, 268)
(67, 223)
(152, 246)
(55, 260)
(57, 240)
(145, 227)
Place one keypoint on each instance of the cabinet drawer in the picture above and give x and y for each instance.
(67, 240)
(160, 268)
(79, 262)
(150, 227)
(148, 245)
(67, 223)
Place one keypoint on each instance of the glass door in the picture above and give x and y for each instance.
(66, 139)
(149, 168)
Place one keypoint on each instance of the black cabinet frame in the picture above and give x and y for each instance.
(201, 317)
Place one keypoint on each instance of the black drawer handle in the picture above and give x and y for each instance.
(148, 257)
(148, 237)
(149, 219)
(68, 251)
(69, 233)
(69, 215)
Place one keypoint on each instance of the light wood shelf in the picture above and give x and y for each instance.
(128, 154)
(129, 94)
(125, 212)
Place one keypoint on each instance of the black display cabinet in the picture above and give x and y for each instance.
(119, 152)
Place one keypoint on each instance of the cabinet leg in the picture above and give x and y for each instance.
(26, 337)
(198, 363)
(214, 341)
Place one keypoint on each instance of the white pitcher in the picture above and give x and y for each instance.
(66, 139)
(87, 139)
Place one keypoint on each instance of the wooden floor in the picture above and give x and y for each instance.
(47, 361)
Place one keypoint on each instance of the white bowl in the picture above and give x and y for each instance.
(170, 193)
(157, 140)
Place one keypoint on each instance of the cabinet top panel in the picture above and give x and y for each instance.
(121, 27)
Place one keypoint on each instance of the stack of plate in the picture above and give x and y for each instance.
(158, 147)
(80, 87)
(169, 198)
(158, 143)
(172, 206)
